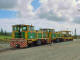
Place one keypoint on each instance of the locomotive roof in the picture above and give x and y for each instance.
(62, 31)
(22, 25)
(65, 31)
(46, 29)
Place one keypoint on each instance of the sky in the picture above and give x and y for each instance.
(57, 14)
(7, 14)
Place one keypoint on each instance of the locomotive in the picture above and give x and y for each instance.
(25, 36)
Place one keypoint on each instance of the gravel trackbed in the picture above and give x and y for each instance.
(59, 51)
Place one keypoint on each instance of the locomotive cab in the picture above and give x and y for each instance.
(64, 36)
(19, 30)
(20, 35)
(48, 34)
(66, 33)
(67, 36)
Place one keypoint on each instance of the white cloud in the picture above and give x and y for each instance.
(59, 10)
(42, 1)
(56, 10)
(25, 8)
(8, 4)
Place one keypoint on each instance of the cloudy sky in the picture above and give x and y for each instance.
(57, 14)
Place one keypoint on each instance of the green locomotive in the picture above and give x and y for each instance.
(26, 35)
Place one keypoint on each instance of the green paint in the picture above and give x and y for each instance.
(39, 35)
(17, 35)
(31, 35)
(23, 35)
(44, 35)
(57, 35)
(52, 36)
(20, 35)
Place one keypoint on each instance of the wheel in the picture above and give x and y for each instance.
(61, 40)
(17, 46)
(38, 42)
(57, 40)
(27, 46)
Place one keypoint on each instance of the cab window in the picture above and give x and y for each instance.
(24, 28)
(63, 32)
(31, 28)
(15, 29)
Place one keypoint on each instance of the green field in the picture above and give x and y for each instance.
(4, 38)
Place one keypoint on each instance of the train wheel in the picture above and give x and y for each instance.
(29, 45)
(61, 40)
(57, 40)
(17, 46)
(39, 42)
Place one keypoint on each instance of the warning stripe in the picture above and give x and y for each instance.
(21, 43)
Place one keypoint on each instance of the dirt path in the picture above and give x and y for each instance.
(4, 46)
(60, 51)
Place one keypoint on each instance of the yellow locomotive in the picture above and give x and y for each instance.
(26, 35)
(62, 36)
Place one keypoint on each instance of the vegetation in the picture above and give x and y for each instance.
(4, 36)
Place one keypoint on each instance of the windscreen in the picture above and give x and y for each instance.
(31, 28)
(20, 28)
(24, 28)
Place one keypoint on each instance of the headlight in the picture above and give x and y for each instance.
(31, 37)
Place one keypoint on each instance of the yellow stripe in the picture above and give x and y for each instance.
(26, 35)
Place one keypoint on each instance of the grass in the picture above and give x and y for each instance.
(4, 38)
